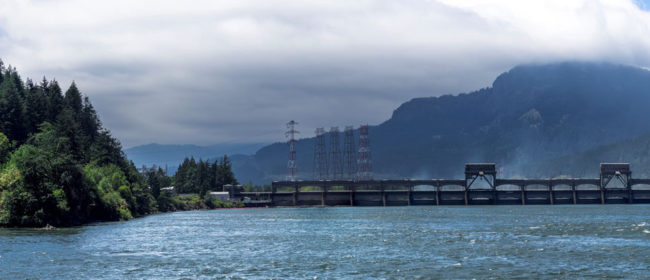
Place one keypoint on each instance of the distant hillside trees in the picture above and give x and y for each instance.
(203, 176)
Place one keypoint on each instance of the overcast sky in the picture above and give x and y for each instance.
(207, 72)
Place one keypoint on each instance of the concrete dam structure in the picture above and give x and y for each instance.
(480, 187)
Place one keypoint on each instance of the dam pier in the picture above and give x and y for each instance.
(481, 186)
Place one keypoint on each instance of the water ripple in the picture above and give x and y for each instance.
(542, 242)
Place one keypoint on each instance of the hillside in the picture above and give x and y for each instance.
(58, 165)
(531, 113)
(635, 151)
(173, 155)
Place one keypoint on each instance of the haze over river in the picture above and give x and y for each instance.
(549, 241)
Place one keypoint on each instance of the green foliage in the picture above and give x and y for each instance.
(203, 176)
(62, 167)
(220, 204)
(157, 179)
(118, 197)
(8, 177)
(11, 106)
(167, 203)
(46, 193)
(59, 166)
(5, 148)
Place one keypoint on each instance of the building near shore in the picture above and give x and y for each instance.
(221, 196)
(170, 190)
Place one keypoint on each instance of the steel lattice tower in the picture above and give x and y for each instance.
(320, 156)
(292, 168)
(336, 159)
(364, 161)
(350, 159)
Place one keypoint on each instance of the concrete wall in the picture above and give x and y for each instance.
(472, 197)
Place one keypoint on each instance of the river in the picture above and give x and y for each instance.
(559, 241)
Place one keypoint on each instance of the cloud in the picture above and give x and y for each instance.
(206, 72)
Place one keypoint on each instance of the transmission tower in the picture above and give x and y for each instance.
(350, 167)
(336, 159)
(320, 156)
(364, 161)
(292, 168)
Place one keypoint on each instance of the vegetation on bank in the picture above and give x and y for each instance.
(59, 166)
(202, 176)
(194, 202)
(196, 179)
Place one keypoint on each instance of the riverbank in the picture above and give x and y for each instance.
(192, 202)
(171, 204)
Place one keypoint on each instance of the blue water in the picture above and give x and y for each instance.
(572, 241)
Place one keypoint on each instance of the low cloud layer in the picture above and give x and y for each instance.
(206, 72)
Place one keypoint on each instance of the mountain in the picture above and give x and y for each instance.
(173, 155)
(635, 151)
(531, 113)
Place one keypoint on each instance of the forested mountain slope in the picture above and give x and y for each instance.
(530, 114)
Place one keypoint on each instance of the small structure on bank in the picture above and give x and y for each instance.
(169, 190)
(221, 196)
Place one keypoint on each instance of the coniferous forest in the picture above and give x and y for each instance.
(59, 166)
(201, 176)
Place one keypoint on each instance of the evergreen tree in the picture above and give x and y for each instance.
(61, 167)
(202, 176)
(11, 110)
(35, 107)
(55, 99)
(225, 175)
(72, 99)
(69, 127)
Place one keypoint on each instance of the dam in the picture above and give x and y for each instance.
(480, 187)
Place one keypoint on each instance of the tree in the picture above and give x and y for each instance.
(69, 127)
(35, 107)
(11, 110)
(225, 175)
(58, 166)
(52, 190)
(73, 99)
(5, 148)
(54, 97)
(156, 179)
(201, 177)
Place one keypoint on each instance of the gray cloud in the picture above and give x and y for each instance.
(159, 71)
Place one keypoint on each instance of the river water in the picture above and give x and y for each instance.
(572, 241)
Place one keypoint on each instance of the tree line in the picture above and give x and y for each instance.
(203, 176)
(60, 166)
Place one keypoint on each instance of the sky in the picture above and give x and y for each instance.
(235, 71)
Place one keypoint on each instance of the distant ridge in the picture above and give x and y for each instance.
(173, 155)
(530, 114)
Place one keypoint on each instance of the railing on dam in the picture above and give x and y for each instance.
(481, 186)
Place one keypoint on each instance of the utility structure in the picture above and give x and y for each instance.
(320, 156)
(364, 160)
(481, 186)
(336, 159)
(619, 171)
(292, 168)
(485, 172)
(349, 154)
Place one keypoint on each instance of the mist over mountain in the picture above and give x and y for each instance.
(173, 155)
(635, 151)
(531, 113)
